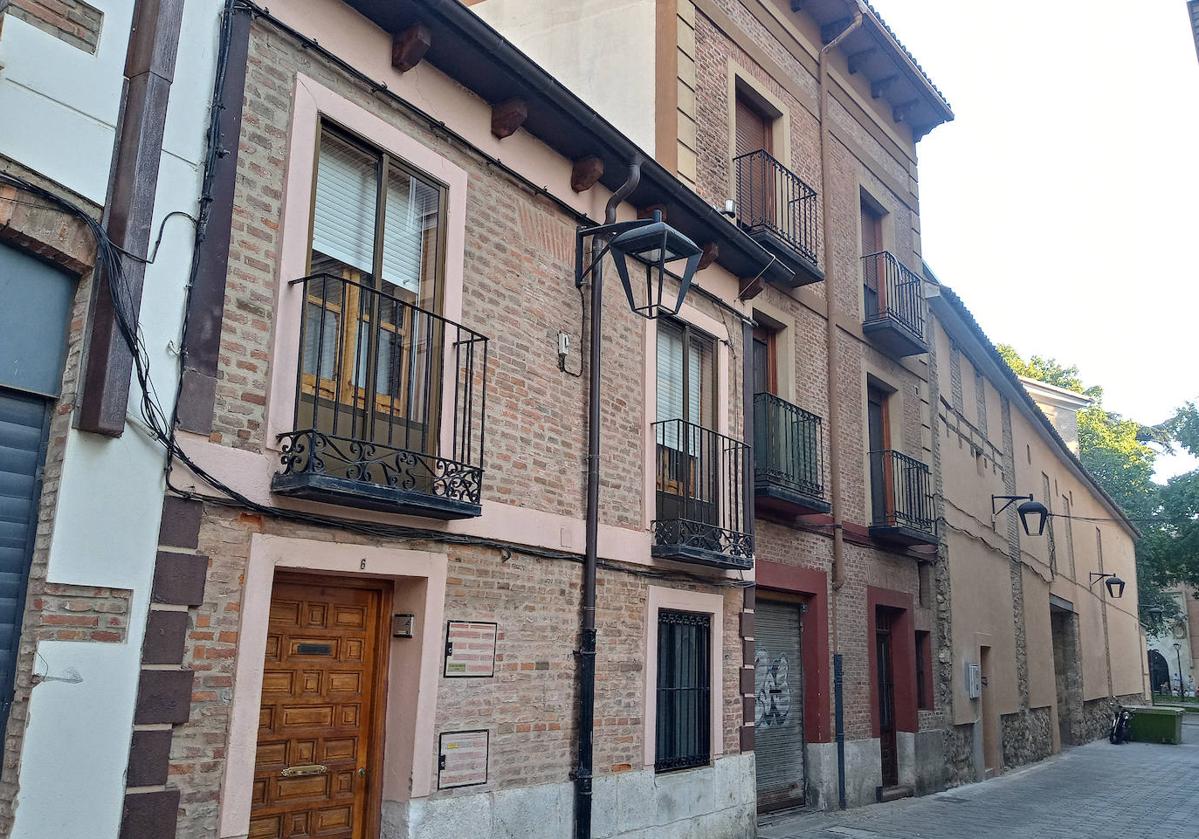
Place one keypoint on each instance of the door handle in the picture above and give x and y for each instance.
(304, 770)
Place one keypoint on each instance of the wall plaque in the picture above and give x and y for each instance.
(470, 649)
(461, 759)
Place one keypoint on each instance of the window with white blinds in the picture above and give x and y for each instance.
(686, 379)
(343, 225)
(347, 219)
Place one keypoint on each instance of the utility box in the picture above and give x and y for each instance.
(1156, 724)
(974, 681)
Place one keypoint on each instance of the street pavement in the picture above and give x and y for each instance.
(1097, 791)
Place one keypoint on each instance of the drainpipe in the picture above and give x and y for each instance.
(586, 668)
(834, 409)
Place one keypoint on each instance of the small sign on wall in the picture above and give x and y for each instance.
(470, 649)
(462, 759)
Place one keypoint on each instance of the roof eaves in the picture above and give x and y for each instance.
(1030, 405)
(509, 60)
(910, 59)
(1193, 8)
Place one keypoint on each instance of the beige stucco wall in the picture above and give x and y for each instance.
(979, 458)
(1036, 457)
(982, 616)
(1042, 686)
(603, 50)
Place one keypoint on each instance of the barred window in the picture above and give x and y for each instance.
(684, 690)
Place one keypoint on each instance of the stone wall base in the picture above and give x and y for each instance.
(1027, 736)
(716, 802)
(1096, 717)
(960, 764)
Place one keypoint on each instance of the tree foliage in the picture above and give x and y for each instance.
(1116, 451)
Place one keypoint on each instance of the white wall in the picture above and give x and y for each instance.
(60, 107)
(603, 50)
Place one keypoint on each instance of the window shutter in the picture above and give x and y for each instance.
(343, 224)
(670, 372)
(752, 128)
(412, 214)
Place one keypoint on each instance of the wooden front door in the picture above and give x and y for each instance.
(886, 698)
(318, 724)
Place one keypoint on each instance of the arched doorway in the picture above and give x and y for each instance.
(1159, 672)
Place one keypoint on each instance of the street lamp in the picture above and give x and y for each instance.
(656, 245)
(1029, 510)
(652, 242)
(1178, 655)
(1115, 585)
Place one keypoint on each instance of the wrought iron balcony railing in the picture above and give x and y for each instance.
(902, 498)
(700, 480)
(896, 310)
(772, 199)
(788, 456)
(391, 404)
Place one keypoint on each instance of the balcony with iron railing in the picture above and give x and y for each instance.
(390, 408)
(901, 499)
(779, 211)
(788, 458)
(700, 506)
(895, 310)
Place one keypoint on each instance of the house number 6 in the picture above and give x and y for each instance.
(362, 565)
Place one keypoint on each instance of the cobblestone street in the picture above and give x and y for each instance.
(1097, 791)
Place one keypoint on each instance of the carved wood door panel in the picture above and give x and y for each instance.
(319, 697)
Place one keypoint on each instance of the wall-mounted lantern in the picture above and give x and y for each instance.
(1033, 514)
(1115, 585)
(656, 245)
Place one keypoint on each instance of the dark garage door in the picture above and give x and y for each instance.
(35, 301)
(778, 723)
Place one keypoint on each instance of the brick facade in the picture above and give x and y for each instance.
(72, 21)
(518, 290)
(731, 40)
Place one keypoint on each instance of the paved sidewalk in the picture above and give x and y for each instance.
(1097, 791)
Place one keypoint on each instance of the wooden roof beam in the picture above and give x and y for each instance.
(879, 86)
(585, 172)
(857, 59)
(900, 112)
(508, 116)
(833, 28)
(408, 48)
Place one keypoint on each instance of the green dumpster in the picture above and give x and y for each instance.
(1156, 724)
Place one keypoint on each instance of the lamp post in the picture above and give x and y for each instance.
(655, 244)
(1178, 655)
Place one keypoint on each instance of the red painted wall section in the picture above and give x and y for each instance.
(903, 652)
(812, 584)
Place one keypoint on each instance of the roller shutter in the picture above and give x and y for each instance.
(33, 322)
(778, 684)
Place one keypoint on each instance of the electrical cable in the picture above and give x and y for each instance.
(108, 269)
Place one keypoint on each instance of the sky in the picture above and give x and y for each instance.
(1062, 203)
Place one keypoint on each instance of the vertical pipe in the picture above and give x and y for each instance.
(586, 668)
(834, 408)
(839, 726)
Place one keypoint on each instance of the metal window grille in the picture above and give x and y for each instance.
(684, 690)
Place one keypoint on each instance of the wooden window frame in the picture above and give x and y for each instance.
(349, 388)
